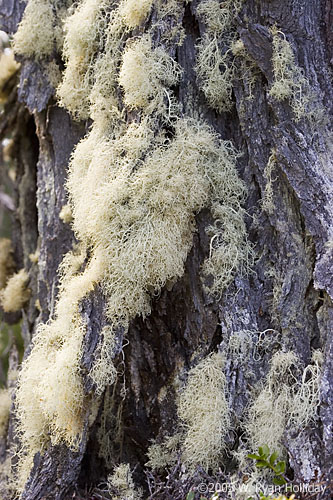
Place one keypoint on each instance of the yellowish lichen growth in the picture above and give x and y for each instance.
(164, 454)
(289, 397)
(6, 261)
(145, 186)
(133, 12)
(5, 402)
(34, 257)
(289, 81)
(283, 67)
(121, 485)
(215, 68)
(66, 214)
(145, 73)
(268, 196)
(103, 372)
(204, 410)
(84, 30)
(34, 37)
(15, 295)
(8, 67)
(40, 32)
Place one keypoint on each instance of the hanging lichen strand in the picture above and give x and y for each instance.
(134, 191)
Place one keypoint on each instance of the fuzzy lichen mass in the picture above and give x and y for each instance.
(145, 180)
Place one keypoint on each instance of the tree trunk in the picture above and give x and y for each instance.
(282, 305)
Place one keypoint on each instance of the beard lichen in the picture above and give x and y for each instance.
(6, 261)
(215, 67)
(204, 411)
(289, 397)
(40, 32)
(145, 75)
(16, 293)
(145, 179)
(289, 80)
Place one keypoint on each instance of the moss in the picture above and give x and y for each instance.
(204, 410)
(15, 295)
(6, 261)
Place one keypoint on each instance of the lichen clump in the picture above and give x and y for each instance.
(8, 67)
(34, 37)
(289, 397)
(289, 80)
(40, 32)
(16, 293)
(121, 485)
(6, 261)
(133, 12)
(145, 74)
(204, 410)
(5, 402)
(215, 68)
(146, 180)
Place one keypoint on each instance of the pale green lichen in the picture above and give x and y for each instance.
(145, 186)
(289, 80)
(16, 293)
(288, 398)
(204, 411)
(215, 68)
(121, 485)
(267, 202)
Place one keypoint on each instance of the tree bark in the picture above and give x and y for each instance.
(294, 239)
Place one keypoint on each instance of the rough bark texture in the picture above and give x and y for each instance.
(292, 239)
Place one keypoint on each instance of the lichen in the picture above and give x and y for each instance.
(145, 179)
(8, 67)
(5, 402)
(84, 30)
(289, 80)
(204, 411)
(215, 68)
(121, 485)
(267, 202)
(289, 397)
(6, 261)
(15, 295)
(66, 214)
(133, 12)
(145, 74)
(34, 37)
(40, 32)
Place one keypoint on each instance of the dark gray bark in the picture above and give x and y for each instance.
(292, 239)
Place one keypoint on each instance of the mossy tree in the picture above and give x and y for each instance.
(168, 175)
